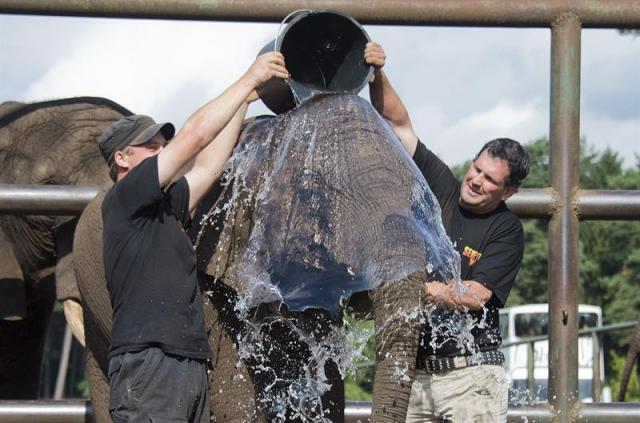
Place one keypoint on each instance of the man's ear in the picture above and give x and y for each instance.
(508, 192)
(121, 159)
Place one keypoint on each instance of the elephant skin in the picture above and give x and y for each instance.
(318, 210)
(52, 142)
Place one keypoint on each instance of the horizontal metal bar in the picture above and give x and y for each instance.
(516, 13)
(357, 411)
(528, 203)
(45, 199)
(44, 411)
(591, 204)
(609, 204)
(618, 412)
(531, 203)
(587, 331)
(77, 411)
(539, 413)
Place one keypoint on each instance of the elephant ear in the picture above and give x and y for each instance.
(13, 304)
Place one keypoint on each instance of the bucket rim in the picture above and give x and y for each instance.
(305, 13)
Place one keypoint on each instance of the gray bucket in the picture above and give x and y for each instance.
(323, 52)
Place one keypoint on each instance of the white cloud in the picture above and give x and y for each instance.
(462, 139)
(462, 86)
(148, 66)
(622, 137)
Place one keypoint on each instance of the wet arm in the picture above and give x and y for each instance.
(386, 101)
(208, 121)
(209, 163)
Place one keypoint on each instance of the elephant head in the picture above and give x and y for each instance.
(55, 143)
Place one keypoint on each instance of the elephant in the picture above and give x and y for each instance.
(274, 352)
(51, 142)
(311, 213)
(632, 356)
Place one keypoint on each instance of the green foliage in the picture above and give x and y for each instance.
(359, 387)
(609, 250)
(82, 388)
(614, 377)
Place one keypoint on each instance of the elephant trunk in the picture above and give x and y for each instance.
(396, 314)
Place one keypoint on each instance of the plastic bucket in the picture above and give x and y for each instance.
(324, 53)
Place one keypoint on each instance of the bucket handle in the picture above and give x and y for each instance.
(290, 15)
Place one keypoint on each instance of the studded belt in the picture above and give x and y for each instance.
(434, 364)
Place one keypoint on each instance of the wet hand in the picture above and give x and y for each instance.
(374, 55)
(441, 293)
(265, 67)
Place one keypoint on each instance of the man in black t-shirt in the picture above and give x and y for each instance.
(463, 383)
(157, 359)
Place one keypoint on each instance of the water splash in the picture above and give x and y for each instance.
(318, 204)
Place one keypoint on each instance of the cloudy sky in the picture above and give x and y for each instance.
(462, 86)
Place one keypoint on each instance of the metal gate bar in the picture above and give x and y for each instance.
(563, 203)
(528, 203)
(564, 162)
(515, 13)
(79, 411)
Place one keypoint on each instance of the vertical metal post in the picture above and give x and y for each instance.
(58, 393)
(563, 226)
(531, 381)
(597, 382)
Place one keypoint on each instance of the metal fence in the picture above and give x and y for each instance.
(564, 204)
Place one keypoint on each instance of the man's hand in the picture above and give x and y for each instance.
(442, 294)
(265, 67)
(472, 296)
(374, 55)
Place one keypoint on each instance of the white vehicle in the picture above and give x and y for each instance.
(531, 320)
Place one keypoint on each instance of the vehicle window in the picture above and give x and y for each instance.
(531, 324)
(587, 320)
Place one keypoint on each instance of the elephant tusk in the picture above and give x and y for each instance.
(73, 314)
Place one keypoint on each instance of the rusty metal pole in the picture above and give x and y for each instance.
(564, 225)
(517, 13)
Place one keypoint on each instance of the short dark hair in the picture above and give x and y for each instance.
(514, 154)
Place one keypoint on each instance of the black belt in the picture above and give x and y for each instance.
(438, 365)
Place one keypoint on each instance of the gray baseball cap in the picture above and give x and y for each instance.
(131, 130)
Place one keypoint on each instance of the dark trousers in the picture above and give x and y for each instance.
(153, 387)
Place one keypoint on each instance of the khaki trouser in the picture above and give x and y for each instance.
(471, 395)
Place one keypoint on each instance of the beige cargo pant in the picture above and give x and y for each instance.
(470, 395)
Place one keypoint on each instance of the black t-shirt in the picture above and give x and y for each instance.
(490, 247)
(150, 266)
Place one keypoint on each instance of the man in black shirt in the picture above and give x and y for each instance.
(456, 381)
(157, 360)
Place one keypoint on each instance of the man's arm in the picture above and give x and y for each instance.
(385, 99)
(208, 121)
(209, 163)
(473, 297)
